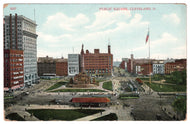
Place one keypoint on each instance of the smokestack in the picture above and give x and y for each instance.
(109, 50)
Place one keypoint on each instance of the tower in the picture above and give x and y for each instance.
(82, 50)
(132, 59)
(82, 59)
(109, 49)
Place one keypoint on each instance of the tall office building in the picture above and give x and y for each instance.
(73, 64)
(20, 34)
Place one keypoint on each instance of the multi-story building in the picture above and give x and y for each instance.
(46, 66)
(97, 64)
(138, 70)
(158, 67)
(13, 69)
(62, 67)
(73, 64)
(146, 69)
(20, 33)
(178, 65)
(122, 65)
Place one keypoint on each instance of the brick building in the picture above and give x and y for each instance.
(13, 69)
(46, 66)
(122, 65)
(62, 67)
(96, 64)
(146, 69)
(178, 65)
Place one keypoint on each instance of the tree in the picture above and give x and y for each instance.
(177, 77)
(71, 81)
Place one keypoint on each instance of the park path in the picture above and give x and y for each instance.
(21, 111)
(122, 113)
(162, 82)
(94, 116)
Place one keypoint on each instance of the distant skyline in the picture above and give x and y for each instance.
(64, 27)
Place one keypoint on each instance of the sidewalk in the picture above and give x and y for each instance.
(27, 116)
(91, 117)
(21, 111)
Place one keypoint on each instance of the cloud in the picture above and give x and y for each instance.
(62, 21)
(166, 39)
(171, 18)
(104, 19)
(48, 38)
(121, 29)
(184, 47)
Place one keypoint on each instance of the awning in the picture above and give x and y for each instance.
(6, 89)
(15, 87)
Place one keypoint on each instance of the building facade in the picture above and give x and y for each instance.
(20, 33)
(138, 70)
(146, 69)
(13, 69)
(122, 65)
(46, 66)
(97, 64)
(158, 68)
(62, 67)
(178, 65)
(73, 64)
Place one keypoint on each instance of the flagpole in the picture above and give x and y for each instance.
(149, 62)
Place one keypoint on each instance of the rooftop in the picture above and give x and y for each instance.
(90, 100)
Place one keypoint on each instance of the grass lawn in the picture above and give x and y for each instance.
(107, 85)
(15, 117)
(123, 98)
(78, 90)
(99, 80)
(64, 114)
(56, 85)
(8, 97)
(145, 79)
(109, 117)
(167, 88)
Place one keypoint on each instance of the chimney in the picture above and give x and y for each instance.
(87, 52)
(109, 50)
(131, 56)
(132, 63)
(96, 51)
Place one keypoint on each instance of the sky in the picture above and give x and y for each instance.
(63, 28)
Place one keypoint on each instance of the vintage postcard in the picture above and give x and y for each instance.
(95, 62)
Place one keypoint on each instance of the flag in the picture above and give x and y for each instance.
(147, 37)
